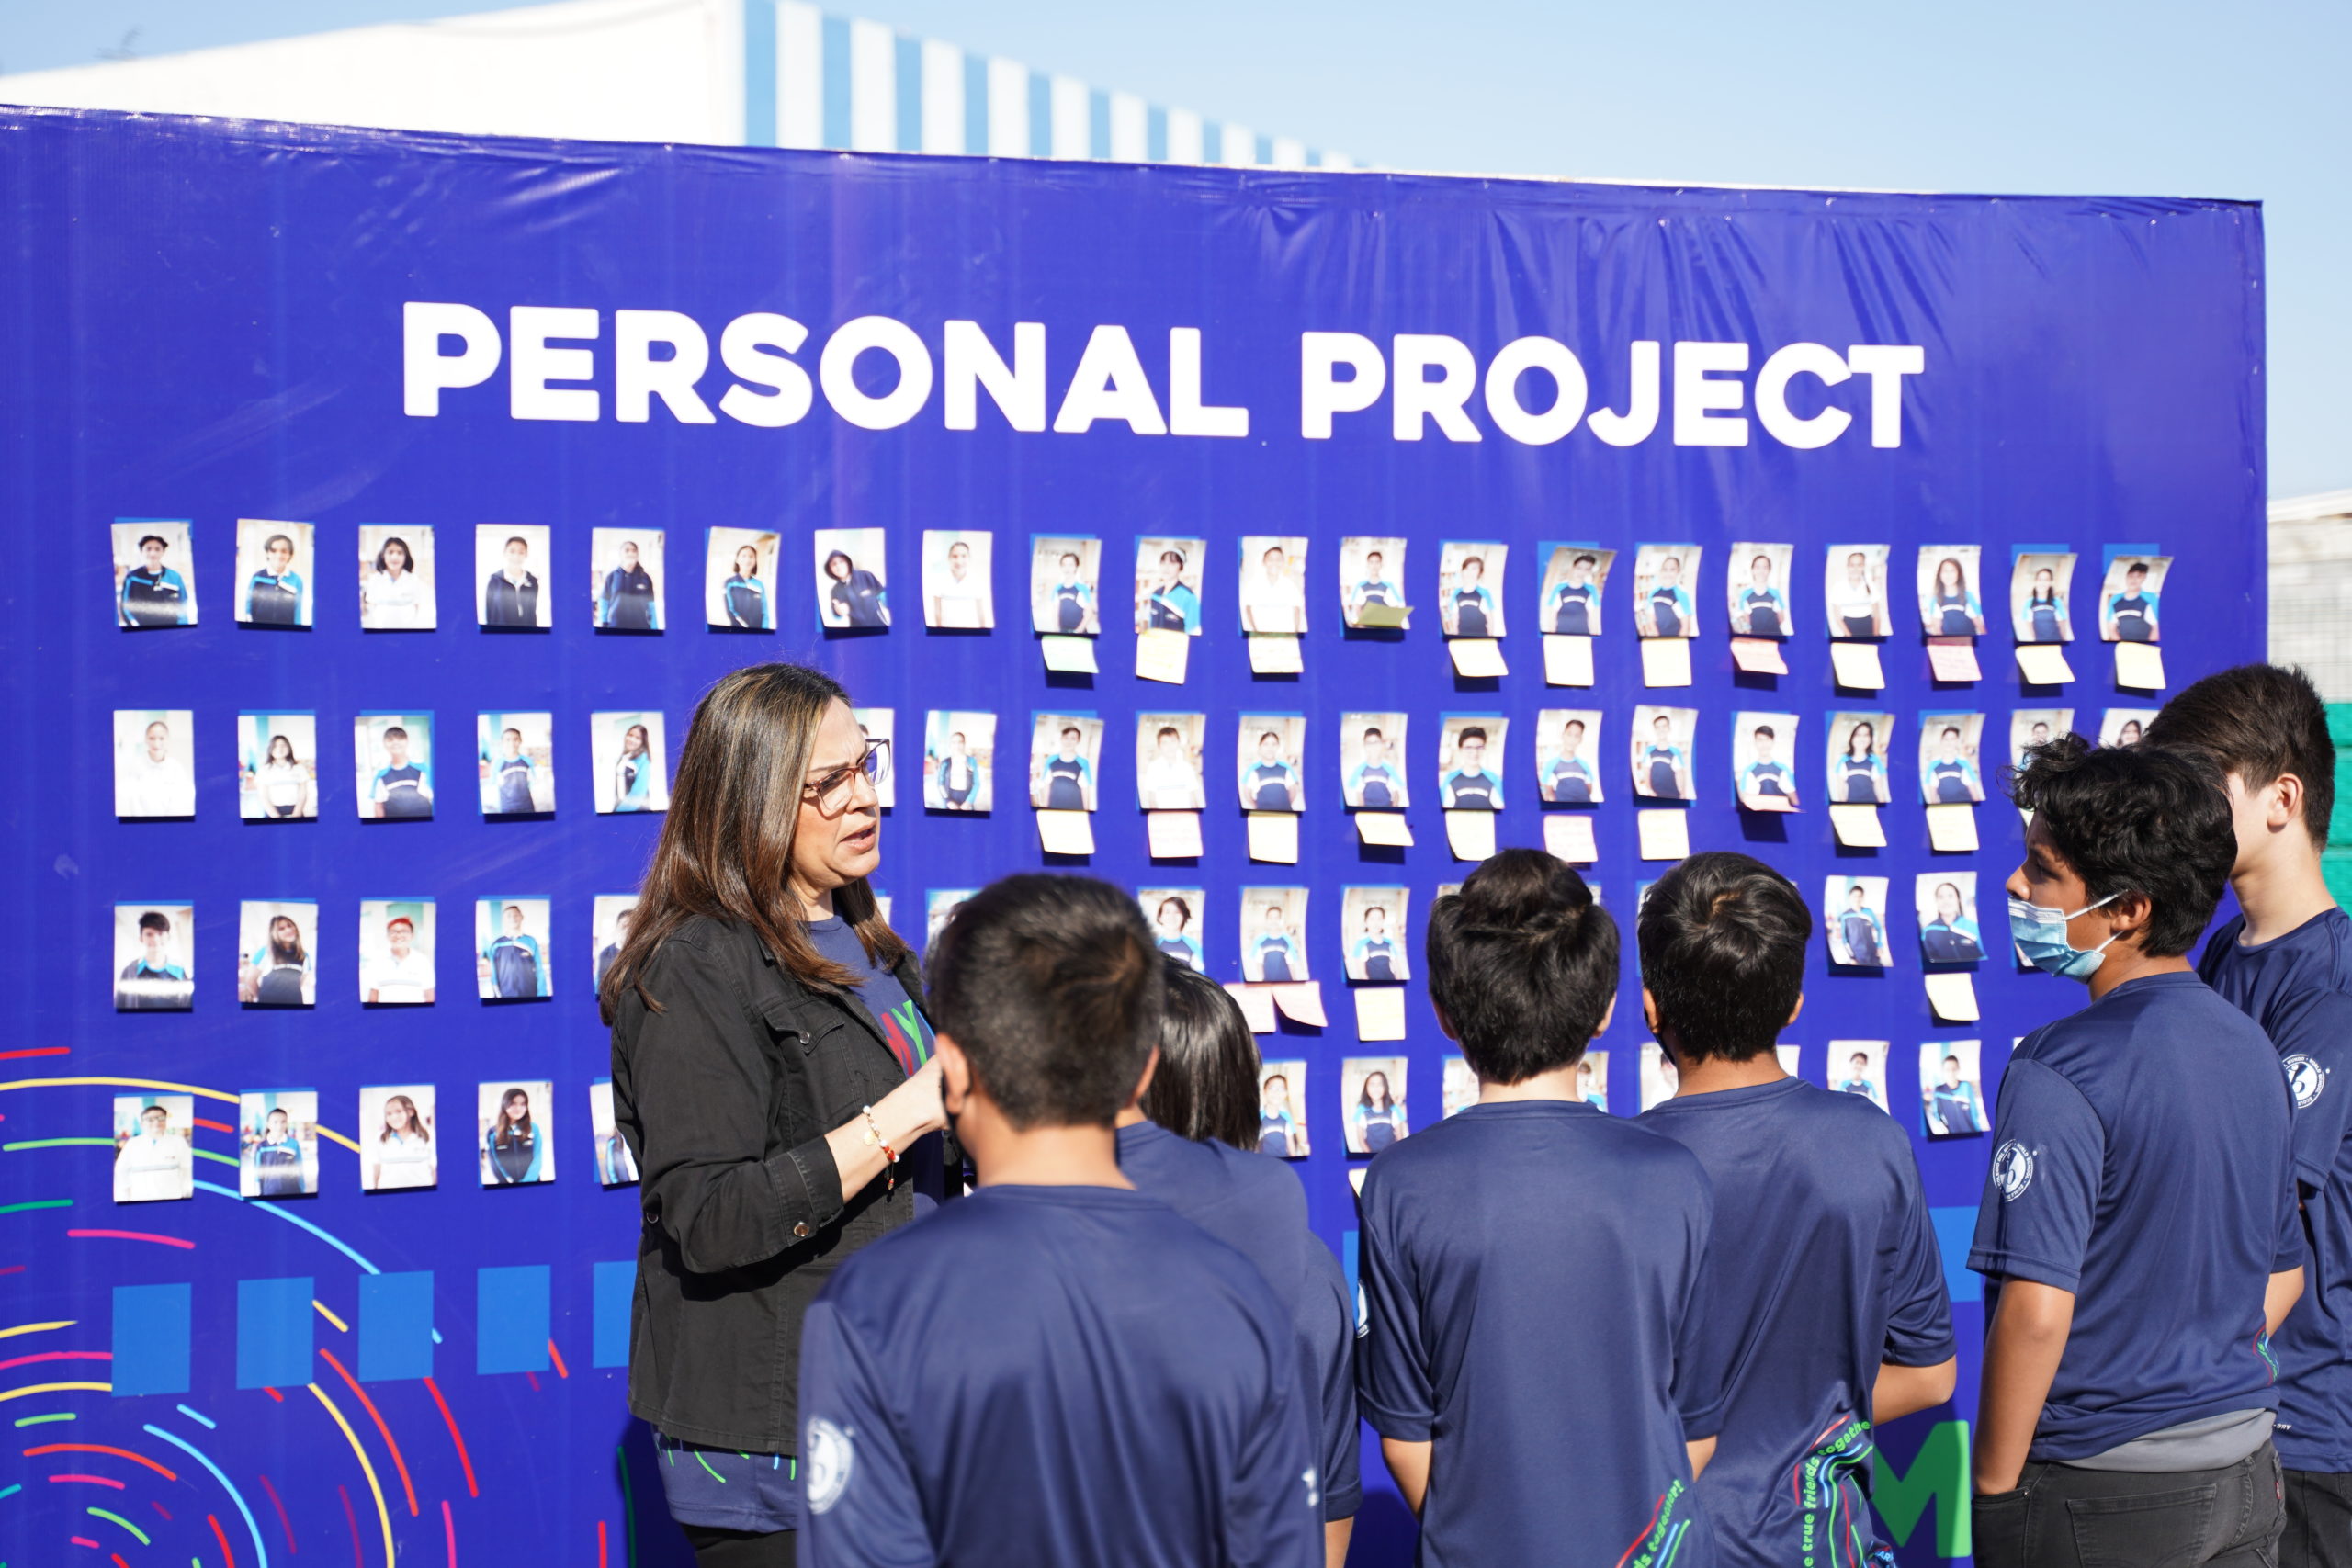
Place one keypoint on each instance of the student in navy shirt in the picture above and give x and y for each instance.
(1811, 1358)
(2139, 1229)
(1532, 1265)
(153, 594)
(948, 1412)
(2284, 961)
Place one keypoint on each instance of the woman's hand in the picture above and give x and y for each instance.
(914, 1108)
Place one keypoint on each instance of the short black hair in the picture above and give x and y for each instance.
(1470, 732)
(155, 920)
(2136, 819)
(1723, 939)
(1523, 961)
(2258, 721)
(1584, 558)
(147, 539)
(1052, 988)
(1206, 1084)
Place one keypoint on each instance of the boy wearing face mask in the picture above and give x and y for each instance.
(2139, 1229)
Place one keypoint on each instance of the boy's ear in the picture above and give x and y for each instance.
(1796, 1010)
(1607, 1015)
(2284, 809)
(1143, 1084)
(954, 1074)
(1445, 1023)
(1649, 1011)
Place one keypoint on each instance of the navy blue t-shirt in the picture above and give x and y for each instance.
(1054, 1377)
(2142, 1160)
(1532, 1295)
(904, 1029)
(2298, 988)
(1253, 1204)
(1824, 1266)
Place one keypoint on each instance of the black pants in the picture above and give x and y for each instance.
(2319, 1520)
(742, 1548)
(2062, 1518)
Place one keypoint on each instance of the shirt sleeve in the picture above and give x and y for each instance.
(1392, 1380)
(1272, 1519)
(2034, 1220)
(1327, 1325)
(1699, 1379)
(2312, 1037)
(1918, 1307)
(863, 1510)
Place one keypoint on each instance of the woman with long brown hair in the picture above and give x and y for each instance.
(773, 1076)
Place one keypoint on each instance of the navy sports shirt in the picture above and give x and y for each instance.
(1532, 1290)
(1054, 1377)
(2298, 988)
(1253, 1204)
(2140, 1159)
(1824, 1266)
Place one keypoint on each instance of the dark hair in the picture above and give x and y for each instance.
(517, 539)
(1469, 561)
(1766, 731)
(1387, 1093)
(507, 1132)
(286, 952)
(2135, 819)
(147, 539)
(1176, 556)
(1583, 559)
(2260, 722)
(392, 730)
(1723, 937)
(1165, 731)
(274, 541)
(1959, 573)
(2140, 566)
(1523, 964)
(1206, 1084)
(1051, 987)
(415, 1122)
(848, 566)
(1178, 900)
(155, 920)
(1470, 732)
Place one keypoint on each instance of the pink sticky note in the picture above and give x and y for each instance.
(2140, 666)
(1953, 996)
(1388, 828)
(1273, 837)
(1858, 827)
(1665, 834)
(1470, 834)
(1758, 656)
(1302, 1002)
(2043, 664)
(1257, 1004)
(1478, 658)
(1175, 835)
(1380, 1012)
(1857, 666)
(1567, 835)
(1953, 659)
(1065, 832)
(1952, 829)
(1666, 662)
(1567, 660)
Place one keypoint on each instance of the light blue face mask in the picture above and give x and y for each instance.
(2041, 934)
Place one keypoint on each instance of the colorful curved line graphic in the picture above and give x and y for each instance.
(383, 1514)
(260, 1552)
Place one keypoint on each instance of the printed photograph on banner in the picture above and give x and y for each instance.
(511, 563)
(395, 771)
(739, 579)
(1274, 924)
(1858, 757)
(1175, 915)
(277, 766)
(1457, 1086)
(517, 1132)
(1575, 577)
(1282, 1109)
(1445, 887)
(514, 758)
(939, 907)
(882, 908)
(609, 919)
(1665, 578)
(959, 753)
(1470, 749)
(2123, 727)
(1065, 761)
(1662, 743)
(2041, 589)
(2127, 599)
(616, 1166)
(1371, 923)
(1854, 589)
(1950, 771)
(397, 1153)
(511, 948)
(1788, 1056)
(1757, 581)
(1763, 753)
(1853, 917)
(1270, 746)
(1372, 761)
(154, 1148)
(154, 574)
(1640, 895)
(880, 726)
(628, 578)
(1064, 572)
(396, 951)
(2029, 727)
(1568, 747)
(627, 755)
(396, 579)
(1470, 587)
(155, 765)
(1946, 902)
(1951, 1094)
(1167, 583)
(1372, 1099)
(1274, 582)
(1372, 575)
(1949, 601)
(276, 967)
(155, 957)
(1592, 1080)
(276, 568)
(1168, 760)
(1859, 1066)
(853, 579)
(958, 594)
(1660, 1077)
(278, 1142)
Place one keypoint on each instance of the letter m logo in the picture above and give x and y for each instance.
(1939, 1475)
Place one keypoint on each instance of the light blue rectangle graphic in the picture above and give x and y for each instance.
(150, 1339)
(396, 1325)
(273, 1332)
(1955, 1232)
(511, 1318)
(615, 1290)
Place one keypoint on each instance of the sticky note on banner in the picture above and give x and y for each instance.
(1273, 837)
(2140, 666)
(1274, 653)
(1068, 655)
(1478, 658)
(1175, 835)
(1065, 832)
(1567, 661)
(1953, 996)
(1257, 1004)
(1380, 1012)
(1856, 666)
(1470, 834)
(1666, 835)
(2043, 664)
(1759, 655)
(1301, 1001)
(1952, 829)
(1953, 659)
(1567, 835)
(1387, 828)
(1162, 654)
(1666, 662)
(1858, 827)
(1384, 618)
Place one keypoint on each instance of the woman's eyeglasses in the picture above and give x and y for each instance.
(830, 790)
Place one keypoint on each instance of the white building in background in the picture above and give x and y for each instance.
(737, 73)
(2310, 587)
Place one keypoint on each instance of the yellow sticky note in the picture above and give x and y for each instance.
(1175, 835)
(1274, 653)
(1759, 655)
(1380, 1012)
(1953, 659)
(1953, 996)
(1858, 827)
(1301, 1001)
(2140, 666)
(1479, 658)
(1387, 828)
(1470, 834)
(1856, 665)
(1567, 661)
(1065, 832)
(1666, 662)
(1068, 655)
(1666, 835)
(1162, 654)
(1257, 1003)
(1567, 835)
(1952, 828)
(2043, 664)
(1384, 618)
(1273, 837)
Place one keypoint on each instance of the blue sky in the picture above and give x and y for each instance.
(2153, 99)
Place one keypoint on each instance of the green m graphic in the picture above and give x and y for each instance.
(1939, 1475)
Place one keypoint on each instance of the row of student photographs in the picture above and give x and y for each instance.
(277, 572)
